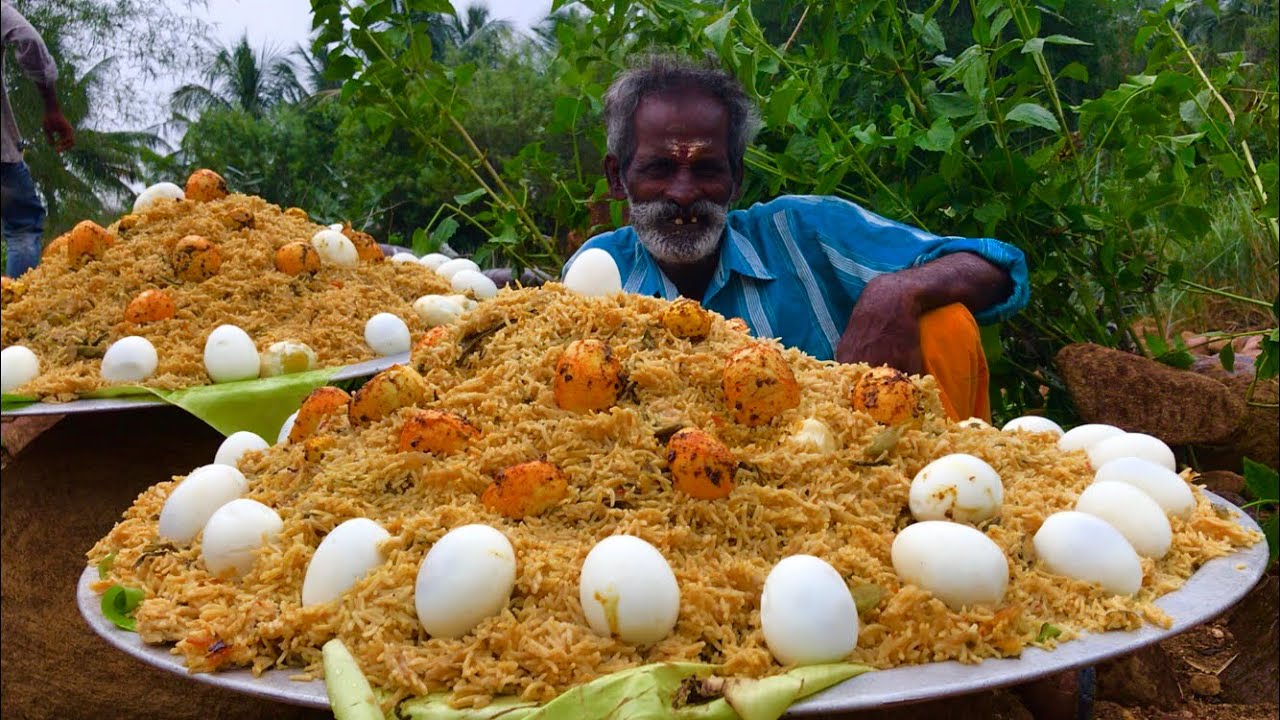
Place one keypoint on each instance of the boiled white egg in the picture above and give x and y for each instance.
(230, 355)
(196, 497)
(336, 227)
(18, 366)
(129, 359)
(593, 273)
(401, 257)
(1165, 486)
(466, 577)
(628, 591)
(956, 487)
(1126, 508)
(345, 556)
(475, 282)
(1137, 445)
(974, 422)
(436, 310)
(1033, 424)
(466, 303)
(957, 563)
(807, 612)
(1083, 437)
(157, 193)
(1085, 547)
(434, 260)
(234, 533)
(387, 334)
(287, 357)
(814, 436)
(287, 427)
(335, 248)
(236, 445)
(449, 268)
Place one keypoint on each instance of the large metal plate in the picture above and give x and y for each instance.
(134, 402)
(1217, 586)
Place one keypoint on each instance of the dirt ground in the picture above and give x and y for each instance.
(66, 482)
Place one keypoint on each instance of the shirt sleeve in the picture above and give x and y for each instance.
(861, 245)
(28, 47)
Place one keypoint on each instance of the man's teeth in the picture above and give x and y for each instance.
(693, 220)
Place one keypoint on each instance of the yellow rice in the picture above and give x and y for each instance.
(69, 316)
(843, 508)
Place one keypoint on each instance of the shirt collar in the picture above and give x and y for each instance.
(737, 254)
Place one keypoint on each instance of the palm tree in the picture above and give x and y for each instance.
(237, 77)
(547, 32)
(476, 35)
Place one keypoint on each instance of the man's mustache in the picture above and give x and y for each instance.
(659, 212)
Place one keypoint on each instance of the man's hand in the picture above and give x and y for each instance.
(884, 328)
(58, 131)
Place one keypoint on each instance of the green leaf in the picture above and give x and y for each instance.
(718, 30)
(104, 565)
(441, 234)
(1064, 40)
(938, 138)
(118, 604)
(1048, 631)
(1261, 482)
(1033, 114)
(952, 105)
(1075, 71)
(467, 198)
(1271, 530)
(1228, 358)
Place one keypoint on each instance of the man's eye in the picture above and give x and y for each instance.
(657, 169)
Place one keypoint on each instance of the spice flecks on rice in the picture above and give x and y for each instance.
(497, 370)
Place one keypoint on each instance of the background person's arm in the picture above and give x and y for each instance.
(884, 328)
(38, 65)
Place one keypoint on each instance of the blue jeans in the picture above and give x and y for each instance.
(22, 216)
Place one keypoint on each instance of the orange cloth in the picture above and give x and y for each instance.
(952, 351)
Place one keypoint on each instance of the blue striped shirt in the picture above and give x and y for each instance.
(793, 268)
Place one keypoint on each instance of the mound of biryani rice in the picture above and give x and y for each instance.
(88, 292)
(498, 371)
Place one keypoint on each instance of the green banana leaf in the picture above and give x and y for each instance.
(259, 406)
(658, 690)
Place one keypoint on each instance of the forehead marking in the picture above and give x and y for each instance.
(685, 150)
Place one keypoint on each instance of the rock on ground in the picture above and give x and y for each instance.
(1142, 395)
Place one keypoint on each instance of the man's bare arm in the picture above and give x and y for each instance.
(884, 328)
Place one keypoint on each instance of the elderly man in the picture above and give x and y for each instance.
(819, 273)
(23, 212)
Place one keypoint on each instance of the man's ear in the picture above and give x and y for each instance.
(613, 173)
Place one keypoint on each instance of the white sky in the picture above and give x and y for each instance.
(284, 24)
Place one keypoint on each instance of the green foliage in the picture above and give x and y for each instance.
(1263, 485)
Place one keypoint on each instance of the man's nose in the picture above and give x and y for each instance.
(682, 190)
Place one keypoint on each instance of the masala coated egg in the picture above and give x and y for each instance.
(230, 355)
(196, 497)
(628, 591)
(807, 613)
(958, 563)
(234, 533)
(466, 577)
(1085, 547)
(1137, 445)
(1165, 486)
(593, 273)
(1126, 508)
(18, 366)
(345, 556)
(129, 359)
(387, 334)
(236, 445)
(957, 487)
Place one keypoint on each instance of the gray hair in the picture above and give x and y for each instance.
(657, 74)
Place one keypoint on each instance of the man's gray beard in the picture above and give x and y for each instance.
(679, 244)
